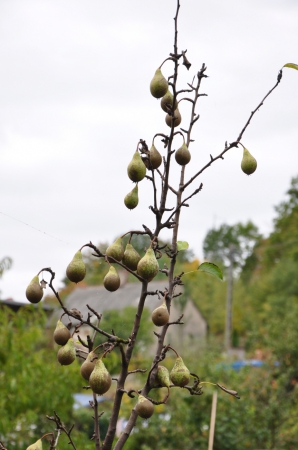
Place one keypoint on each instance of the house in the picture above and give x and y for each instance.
(13, 305)
(194, 330)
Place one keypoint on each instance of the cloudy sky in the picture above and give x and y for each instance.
(75, 100)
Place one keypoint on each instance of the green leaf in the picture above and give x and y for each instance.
(291, 66)
(212, 269)
(182, 245)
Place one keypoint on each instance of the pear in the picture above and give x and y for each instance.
(136, 169)
(67, 354)
(131, 200)
(180, 375)
(61, 333)
(163, 377)
(177, 118)
(76, 269)
(148, 266)
(167, 102)
(158, 85)
(183, 155)
(160, 316)
(88, 365)
(144, 407)
(131, 257)
(155, 157)
(111, 281)
(36, 446)
(34, 291)
(248, 163)
(116, 250)
(100, 380)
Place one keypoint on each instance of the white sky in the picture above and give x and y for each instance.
(74, 101)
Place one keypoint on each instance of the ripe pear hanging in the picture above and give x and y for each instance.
(180, 374)
(177, 118)
(163, 377)
(182, 155)
(131, 257)
(158, 85)
(61, 333)
(67, 354)
(131, 200)
(100, 380)
(88, 365)
(167, 102)
(160, 316)
(116, 250)
(76, 269)
(36, 446)
(148, 266)
(144, 407)
(136, 169)
(248, 163)
(111, 281)
(155, 157)
(34, 291)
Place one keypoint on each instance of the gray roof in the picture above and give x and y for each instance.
(98, 298)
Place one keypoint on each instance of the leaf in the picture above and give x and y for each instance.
(291, 66)
(212, 269)
(182, 245)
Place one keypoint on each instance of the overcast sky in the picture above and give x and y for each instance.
(75, 100)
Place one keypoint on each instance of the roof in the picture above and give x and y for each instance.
(15, 306)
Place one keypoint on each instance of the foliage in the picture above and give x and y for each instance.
(31, 383)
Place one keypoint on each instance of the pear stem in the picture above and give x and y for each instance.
(47, 434)
(241, 144)
(178, 356)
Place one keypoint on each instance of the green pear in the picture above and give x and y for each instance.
(160, 316)
(88, 365)
(136, 169)
(131, 200)
(158, 85)
(111, 281)
(36, 446)
(180, 374)
(100, 380)
(248, 163)
(177, 118)
(76, 269)
(167, 102)
(131, 257)
(116, 250)
(34, 291)
(61, 333)
(163, 377)
(155, 157)
(67, 354)
(148, 266)
(182, 155)
(144, 407)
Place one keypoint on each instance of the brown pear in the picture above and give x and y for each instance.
(131, 257)
(67, 354)
(177, 118)
(155, 157)
(111, 281)
(144, 407)
(88, 365)
(34, 291)
(160, 316)
(61, 333)
(182, 155)
(100, 380)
